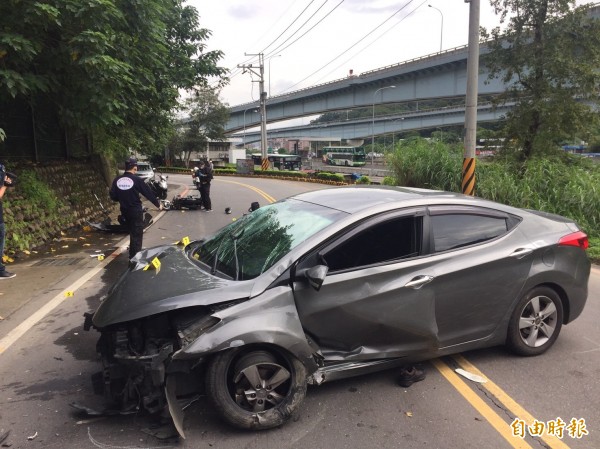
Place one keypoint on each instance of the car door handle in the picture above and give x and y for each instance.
(418, 282)
(521, 252)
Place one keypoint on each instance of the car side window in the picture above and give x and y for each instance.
(452, 231)
(381, 242)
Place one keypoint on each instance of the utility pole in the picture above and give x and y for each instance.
(263, 104)
(468, 170)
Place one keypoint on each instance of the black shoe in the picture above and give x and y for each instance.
(410, 375)
(6, 275)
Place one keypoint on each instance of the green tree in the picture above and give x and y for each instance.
(207, 119)
(549, 56)
(111, 67)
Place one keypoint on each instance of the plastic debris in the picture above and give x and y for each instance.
(32, 437)
(409, 414)
(4, 435)
(471, 376)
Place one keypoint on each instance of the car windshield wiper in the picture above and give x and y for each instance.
(234, 235)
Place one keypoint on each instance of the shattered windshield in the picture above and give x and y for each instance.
(246, 248)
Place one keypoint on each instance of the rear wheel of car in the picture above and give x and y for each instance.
(257, 389)
(536, 322)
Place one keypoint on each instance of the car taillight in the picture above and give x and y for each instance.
(579, 239)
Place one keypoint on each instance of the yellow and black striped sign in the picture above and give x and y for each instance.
(265, 164)
(468, 176)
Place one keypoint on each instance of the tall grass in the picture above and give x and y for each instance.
(563, 184)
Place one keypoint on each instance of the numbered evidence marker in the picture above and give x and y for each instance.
(153, 263)
(184, 241)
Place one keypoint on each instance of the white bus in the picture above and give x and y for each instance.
(347, 156)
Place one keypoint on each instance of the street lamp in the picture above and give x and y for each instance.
(442, 28)
(244, 138)
(274, 56)
(393, 134)
(373, 124)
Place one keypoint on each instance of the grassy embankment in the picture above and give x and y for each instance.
(565, 184)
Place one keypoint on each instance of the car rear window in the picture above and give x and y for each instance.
(452, 231)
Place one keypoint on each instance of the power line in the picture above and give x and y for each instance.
(352, 46)
(290, 25)
(375, 40)
(310, 29)
(237, 70)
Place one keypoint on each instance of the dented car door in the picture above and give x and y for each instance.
(374, 302)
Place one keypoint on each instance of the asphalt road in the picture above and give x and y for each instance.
(46, 360)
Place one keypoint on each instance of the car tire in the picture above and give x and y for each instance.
(535, 323)
(228, 385)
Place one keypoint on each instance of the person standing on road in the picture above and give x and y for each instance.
(5, 181)
(206, 176)
(197, 184)
(126, 189)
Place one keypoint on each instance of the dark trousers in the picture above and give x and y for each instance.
(199, 187)
(205, 195)
(2, 237)
(134, 220)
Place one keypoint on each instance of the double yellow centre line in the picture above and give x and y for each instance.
(262, 193)
(497, 422)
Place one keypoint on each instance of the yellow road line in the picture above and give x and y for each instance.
(262, 193)
(508, 402)
(479, 404)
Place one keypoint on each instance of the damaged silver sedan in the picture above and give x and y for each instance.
(331, 284)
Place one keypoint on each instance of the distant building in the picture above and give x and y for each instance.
(220, 151)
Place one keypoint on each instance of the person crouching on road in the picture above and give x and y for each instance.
(206, 176)
(126, 189)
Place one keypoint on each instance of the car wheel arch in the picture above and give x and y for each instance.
(564, 299)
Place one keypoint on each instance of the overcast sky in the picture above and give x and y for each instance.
(358, 35)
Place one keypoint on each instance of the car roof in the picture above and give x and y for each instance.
(353, 199)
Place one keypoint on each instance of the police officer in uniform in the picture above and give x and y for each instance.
(126, 189)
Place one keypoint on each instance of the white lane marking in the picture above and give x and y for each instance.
(26, 325)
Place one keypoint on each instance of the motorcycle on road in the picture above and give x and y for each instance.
(159, 187)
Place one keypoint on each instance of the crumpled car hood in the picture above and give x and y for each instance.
(177, 284)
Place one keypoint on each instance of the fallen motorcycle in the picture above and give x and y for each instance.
(120, 227)
(183, 202)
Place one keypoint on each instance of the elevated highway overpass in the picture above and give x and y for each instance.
(365, 128)
(441, 75)
(436, 76)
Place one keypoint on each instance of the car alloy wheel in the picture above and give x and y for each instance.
(257, 389)
(536, 322)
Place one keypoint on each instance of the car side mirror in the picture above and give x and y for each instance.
(316, 275)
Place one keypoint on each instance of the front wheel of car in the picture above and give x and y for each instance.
(536, 322)
(257, 389)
